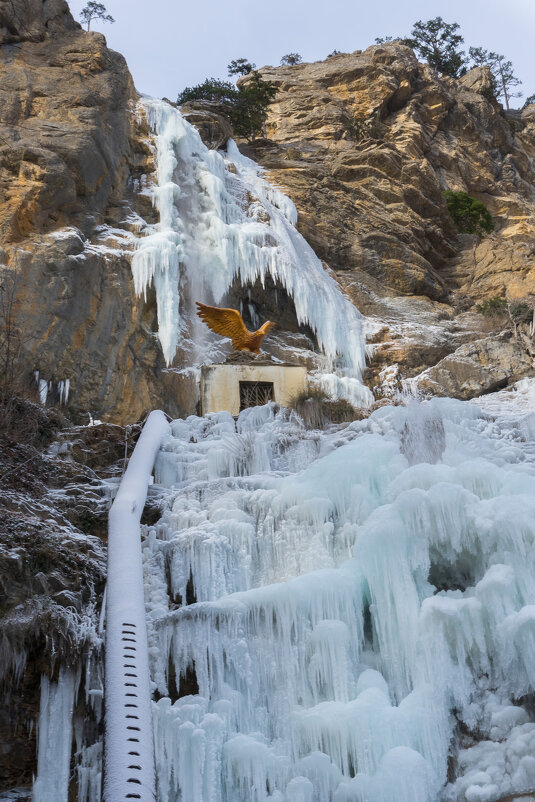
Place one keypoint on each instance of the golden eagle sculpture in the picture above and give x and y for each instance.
(229, 323)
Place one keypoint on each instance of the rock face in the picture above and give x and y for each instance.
(479, 367)
(73, 157)
(210, 120)
(53, 514)
(364, 144)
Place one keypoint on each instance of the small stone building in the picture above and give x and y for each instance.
(235, 386)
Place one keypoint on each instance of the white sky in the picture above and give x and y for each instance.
(170, 44)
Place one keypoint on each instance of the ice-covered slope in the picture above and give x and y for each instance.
(219, 218)
(362, 594)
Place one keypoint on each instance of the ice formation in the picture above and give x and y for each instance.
(327, 609)
(55, 737)
(217, 223)
(68, 728)
(45, 387)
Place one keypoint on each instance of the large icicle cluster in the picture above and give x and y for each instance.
(358, 592)
(217, 223)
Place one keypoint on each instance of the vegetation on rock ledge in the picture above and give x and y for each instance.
(470, 215)
(291, 59)
(316, 409)
(245, 106)
(492, 306)
(94, 10)
(438, 43)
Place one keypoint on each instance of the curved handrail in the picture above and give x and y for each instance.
(129, 740)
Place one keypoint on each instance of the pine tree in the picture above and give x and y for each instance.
(250, 111)
(212, 89)
(437, 42)
(94, 10)
(240, 66)
(503, 78)
(290, 59)
(245, 106)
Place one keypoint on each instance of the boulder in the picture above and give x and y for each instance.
(482, 366)
(210, 120)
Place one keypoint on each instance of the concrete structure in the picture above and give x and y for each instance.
(232, 387)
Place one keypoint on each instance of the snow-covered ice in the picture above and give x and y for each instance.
(220, 219)
(361, 607)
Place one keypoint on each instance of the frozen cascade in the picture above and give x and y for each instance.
(217, 223)
(348, 598)
(55, 737)
(69, 754)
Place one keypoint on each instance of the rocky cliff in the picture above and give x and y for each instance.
(73, 156)
(365, 144)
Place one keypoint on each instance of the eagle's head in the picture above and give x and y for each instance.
(266, 327)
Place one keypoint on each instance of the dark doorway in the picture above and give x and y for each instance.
(254, 394)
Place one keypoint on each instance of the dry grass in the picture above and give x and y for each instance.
(24, 421)
(316, 409)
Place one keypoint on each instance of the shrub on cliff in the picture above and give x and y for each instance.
(492, 307)
(316, 409)
(437, 42)
(94, 10)
(291, 59)
(246, 106)
(250, 110)
(240, 66)
(212, 89)
(470, 215)
(520, 312)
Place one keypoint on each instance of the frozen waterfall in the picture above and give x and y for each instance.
(329, 610)
(220, 219)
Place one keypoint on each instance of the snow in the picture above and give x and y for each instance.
(353, 588)
(127, 698)
(218, 223)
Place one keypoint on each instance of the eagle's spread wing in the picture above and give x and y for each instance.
(227, 322)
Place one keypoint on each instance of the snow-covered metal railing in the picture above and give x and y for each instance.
(129, 740)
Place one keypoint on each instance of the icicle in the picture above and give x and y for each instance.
(43, 391)
(55, 738)
(352, 588)
(207, 236)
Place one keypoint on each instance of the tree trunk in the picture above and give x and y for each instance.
(504, 86)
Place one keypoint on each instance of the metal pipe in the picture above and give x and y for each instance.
(129, 741)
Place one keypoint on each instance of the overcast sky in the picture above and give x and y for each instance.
(170, 44)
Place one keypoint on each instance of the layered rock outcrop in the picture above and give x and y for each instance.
(73, 160)
(478, 367)
(364, 144)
